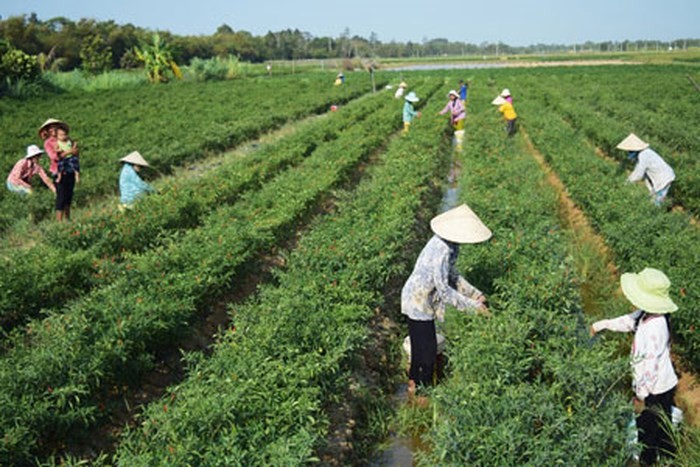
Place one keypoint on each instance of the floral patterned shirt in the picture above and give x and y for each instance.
(435, 283)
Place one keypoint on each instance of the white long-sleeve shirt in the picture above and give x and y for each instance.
(653, 169)
(651, 352)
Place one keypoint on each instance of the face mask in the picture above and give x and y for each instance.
(632, 154)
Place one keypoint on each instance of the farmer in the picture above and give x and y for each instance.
(23, 171)
(409, 113)
(654, 380)
(457, 115)
(657, 174)
(463, 90)
(47, 132)
(504, 101)
(131, 186)
(400, 90)
(339, 79)
(434, 283)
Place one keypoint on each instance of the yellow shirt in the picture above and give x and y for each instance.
(508, 111)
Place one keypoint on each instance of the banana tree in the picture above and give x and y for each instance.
(157, 59)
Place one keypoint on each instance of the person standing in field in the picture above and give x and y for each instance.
(47, 132)
(457, 116)
(18, 181)
(654, 379)
(68, 172)
(650, 167)
(435, 283)
(131, 186)
(463, 90)
(409, 112)
(400, 90)
(504, 101)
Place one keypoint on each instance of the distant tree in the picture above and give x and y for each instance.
(96, 55)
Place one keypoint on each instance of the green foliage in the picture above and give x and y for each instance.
(16, 65)
(96, 55)
(214, 68)
(157, 59)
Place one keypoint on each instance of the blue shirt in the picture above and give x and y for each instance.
(131, 187)
(408, 112)
(463, 92)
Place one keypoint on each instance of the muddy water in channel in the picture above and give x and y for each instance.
(400, 449)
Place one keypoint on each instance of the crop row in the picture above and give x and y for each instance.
(260, 398)
(67, 259)
(51, 376)
(639, 234)
(169, 125)
(525, 387)
(607, 113)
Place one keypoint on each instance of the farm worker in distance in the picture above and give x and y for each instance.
(68, 172)
(409, 113)
(504, 101)
(654, 379)
(657, 174)
(399, 92)
(463, 90)
(47, 132)
(339, 79)
(131, 186)
(23, 171)
(457, 115)
(434, 283)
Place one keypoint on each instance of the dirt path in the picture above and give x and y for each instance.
(573, 218)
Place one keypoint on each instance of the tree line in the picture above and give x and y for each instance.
(62, 44)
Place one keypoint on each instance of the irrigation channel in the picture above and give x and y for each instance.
(400, 449)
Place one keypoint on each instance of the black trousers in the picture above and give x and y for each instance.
(510, 127)
(423, 351)
(64, 191)
(653, 429)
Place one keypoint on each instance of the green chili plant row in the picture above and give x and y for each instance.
(607, 113)
(259, 399)
(525, 386)
(169, 125)
(67, 260)
(640, 234)
(52, 376)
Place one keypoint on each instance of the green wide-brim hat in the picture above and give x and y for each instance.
(460, 225)
(648, 291)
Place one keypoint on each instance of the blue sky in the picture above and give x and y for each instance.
(514, 22)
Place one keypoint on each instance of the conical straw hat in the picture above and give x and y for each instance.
(460, 225)
(648, 291)
(632, 143)
(53, 121)
(499, 100)
(135, 158)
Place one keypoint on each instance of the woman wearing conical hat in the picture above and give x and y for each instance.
(131, 186)
(650, 167)
(435, 283)
(654, 379)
